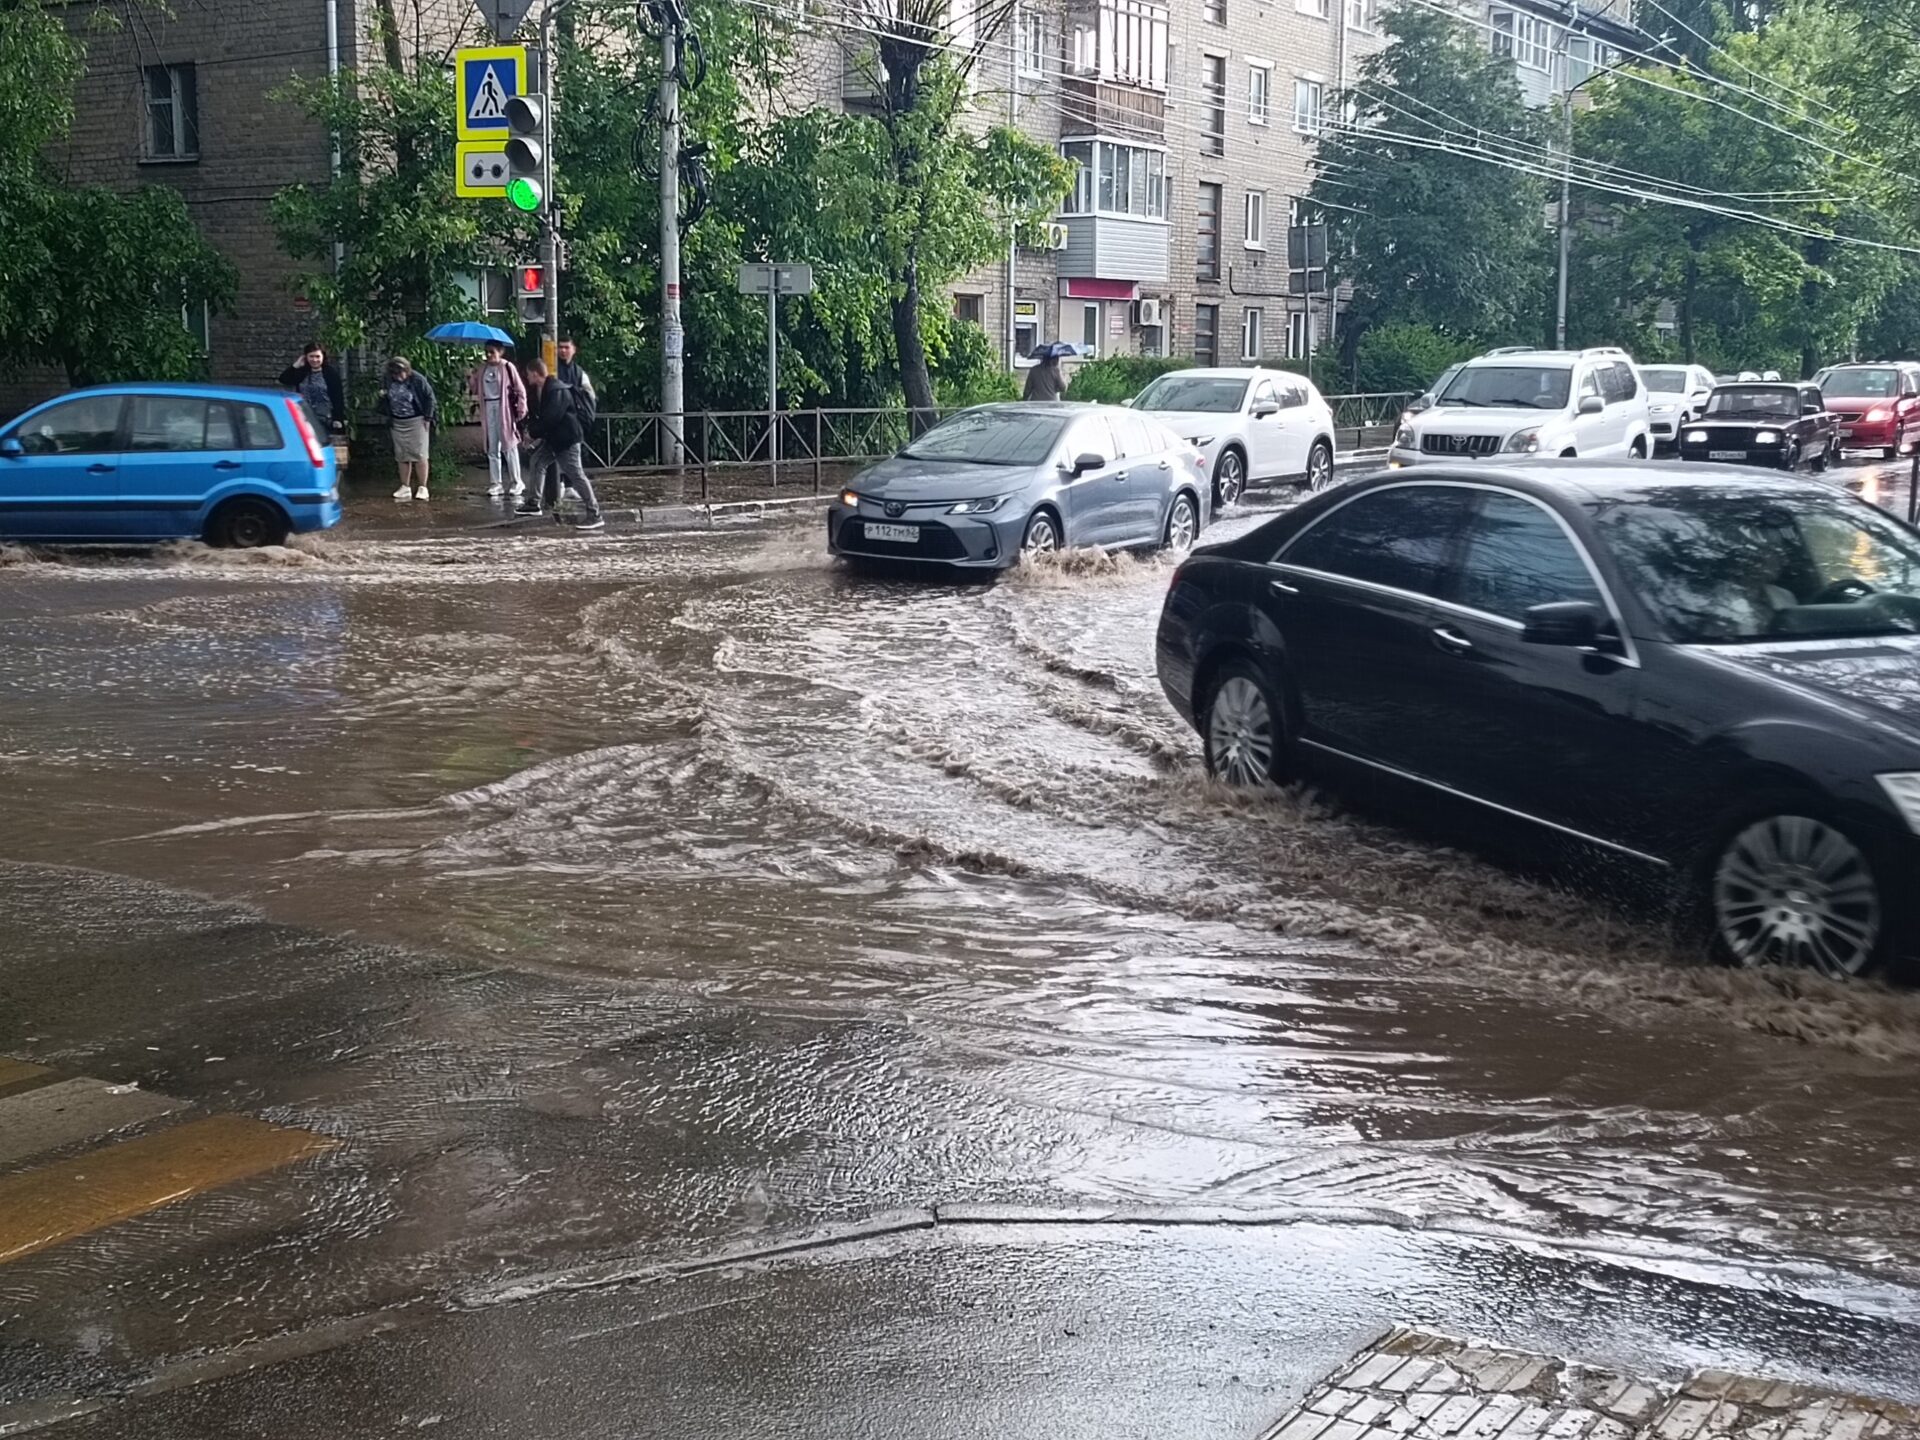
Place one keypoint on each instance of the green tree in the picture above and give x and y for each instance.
(1428, 231)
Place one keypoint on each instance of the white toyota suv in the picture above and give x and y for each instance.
(1559, 403)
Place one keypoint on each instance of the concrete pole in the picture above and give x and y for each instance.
(1566, 209)
(773, 372)
(672, 337)
(549, 212)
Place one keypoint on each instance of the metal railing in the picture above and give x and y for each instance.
(796, 447)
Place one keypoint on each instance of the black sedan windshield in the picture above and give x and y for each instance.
(1723, 566)
(1509, 387)
(1754, 402)
(990, 437)
(1205, 394)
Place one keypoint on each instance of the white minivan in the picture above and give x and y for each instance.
(1560, 403)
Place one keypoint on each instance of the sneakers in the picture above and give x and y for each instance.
(404, 493)
(529, 506)
(590, 520)
(420, 494)
(519, 489)
(496, 490)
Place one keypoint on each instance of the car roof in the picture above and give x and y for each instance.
(207, 388)
(1228, 372)
(1586, 480)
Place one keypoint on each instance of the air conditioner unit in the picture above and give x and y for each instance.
(1152, 312)
(1056, 237)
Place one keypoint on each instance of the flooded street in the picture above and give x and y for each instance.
(628, 895)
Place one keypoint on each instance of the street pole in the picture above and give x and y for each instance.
(1566, 208)
(672, 337)
(549, 212)
(773, 373)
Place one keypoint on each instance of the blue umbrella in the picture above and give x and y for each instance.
(469, 332)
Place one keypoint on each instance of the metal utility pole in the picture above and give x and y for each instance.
(549, 212)
(672, 337)
(1566, 208)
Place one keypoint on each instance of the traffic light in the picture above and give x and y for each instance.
(530, 289)
(526, 170)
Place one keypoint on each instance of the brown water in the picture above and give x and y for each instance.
(718, 767)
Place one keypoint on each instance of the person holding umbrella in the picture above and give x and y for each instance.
(501, 396)
(1044, 380)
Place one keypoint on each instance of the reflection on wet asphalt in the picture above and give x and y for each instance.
(695, 885)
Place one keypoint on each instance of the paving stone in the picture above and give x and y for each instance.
(1332, 1402)
(1709, 1384)
(1454, 1413)
(1630, 1401)
(1413, 1374)
(1572, 1425)
(1303, 1426)
(1373, 1371)
(1530, 1424)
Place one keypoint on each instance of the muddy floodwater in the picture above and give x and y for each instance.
(949, 856)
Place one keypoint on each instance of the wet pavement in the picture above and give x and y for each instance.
(610, 900)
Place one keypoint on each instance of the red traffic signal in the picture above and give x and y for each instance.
(530, 281)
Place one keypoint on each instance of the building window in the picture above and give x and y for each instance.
(1309, 100)
(1116, 179)
(1250, 319)
(1214, 12)
(1206, 238)
(1259, 92)
(1090, 327)
(1363, 14)
(1307, 272)
(1033, 44)
(1256, 219)
(1213, 105)
(1026, 326)
(173, 113)
(971, 308)
(198, 320)
(1299, 335)
(1206, 329)
(1526, 39)
(1585, 59)
(1130, 47)
(1316, 8)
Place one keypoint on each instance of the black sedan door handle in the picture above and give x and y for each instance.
(1447, 638)
(1284, 588)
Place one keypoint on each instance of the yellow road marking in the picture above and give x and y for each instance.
(19, 1075)
(74, 1197)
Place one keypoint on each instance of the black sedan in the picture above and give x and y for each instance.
(1712, 675)
(1780, 426)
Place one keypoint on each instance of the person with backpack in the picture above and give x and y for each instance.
(586, 408)
(553, 420)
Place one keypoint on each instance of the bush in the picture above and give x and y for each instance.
(1120, 377)
(1396, 358)
(967, 367)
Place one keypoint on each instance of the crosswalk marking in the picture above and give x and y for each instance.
(51, 1117)
(76, 1196)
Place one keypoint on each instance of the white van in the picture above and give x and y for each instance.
(1559, 403)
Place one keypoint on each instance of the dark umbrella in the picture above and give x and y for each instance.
(1056, 350)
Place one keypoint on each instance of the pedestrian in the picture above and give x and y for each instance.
(1044, 380)
(408, 402)
(554, 422)
(586, 407)
(497, 389)
(313, 378)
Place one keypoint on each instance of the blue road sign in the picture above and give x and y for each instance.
(489, 77)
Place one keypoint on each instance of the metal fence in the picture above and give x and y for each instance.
(796, 447)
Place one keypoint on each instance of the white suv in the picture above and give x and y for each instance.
(1558, 403)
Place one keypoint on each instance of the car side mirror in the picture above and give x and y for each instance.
(11, 448)
(1086, 461)
(1591, 405)
(1263, 408)
(1572, 623)
(1128, 402)
(1807, 407)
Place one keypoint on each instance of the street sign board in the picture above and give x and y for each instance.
(489, 77)
(482, 172)
(776, 279)
(504, 16)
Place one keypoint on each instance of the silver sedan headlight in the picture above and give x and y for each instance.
(1903, 789)
(977, 507)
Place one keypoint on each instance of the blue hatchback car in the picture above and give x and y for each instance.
(133, 463)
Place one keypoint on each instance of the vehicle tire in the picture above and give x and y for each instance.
(1569, 454)
(1637, 450)
(1242, 729)
(1783, 884)
(1824, 459)
(1319, 467)
(1043, 534)
(1229, 477)
(1183, 524)
(246, 524)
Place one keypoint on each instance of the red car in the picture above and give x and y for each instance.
(1877, 405)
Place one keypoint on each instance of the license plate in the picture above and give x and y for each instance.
(1726, 454)
(894, 534)
(1846, 432)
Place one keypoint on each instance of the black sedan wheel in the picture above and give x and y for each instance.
(1795, 890)
(1229, 478)
(1241, 732)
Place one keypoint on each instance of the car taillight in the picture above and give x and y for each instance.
(307, 437)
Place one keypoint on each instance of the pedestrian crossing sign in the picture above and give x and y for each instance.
(489, 77)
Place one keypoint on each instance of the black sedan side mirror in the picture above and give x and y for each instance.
(1807, 407)
(1592, 405)
(1564, 622)
(1086, 461)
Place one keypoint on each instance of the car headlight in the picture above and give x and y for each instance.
(1524, 442)
(1903, 789)
(1663, 409)
(1200, 440)
(977, 507)
(1404, 438)
(1766, 437)
(849, 499)
(1696, 437)
(1878, 412)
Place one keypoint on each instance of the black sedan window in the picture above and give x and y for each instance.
(1517, 556)
(1719, 566)
(1398, 537)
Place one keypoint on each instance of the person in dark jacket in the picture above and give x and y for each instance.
(313, 378)
(553, 420)
(409, 404)
(1044, 381)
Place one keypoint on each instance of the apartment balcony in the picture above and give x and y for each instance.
(1118, 250)
(1091, 106)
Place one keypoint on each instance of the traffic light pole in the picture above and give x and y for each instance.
(549, 212)
(672, 337)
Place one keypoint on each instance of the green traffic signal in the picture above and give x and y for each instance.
(523, 194)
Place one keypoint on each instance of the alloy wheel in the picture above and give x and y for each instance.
(1229, 478)
(1182, 524)
(1793, 890)
(1042, 538)
(1240, 733)
(1319, 468)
